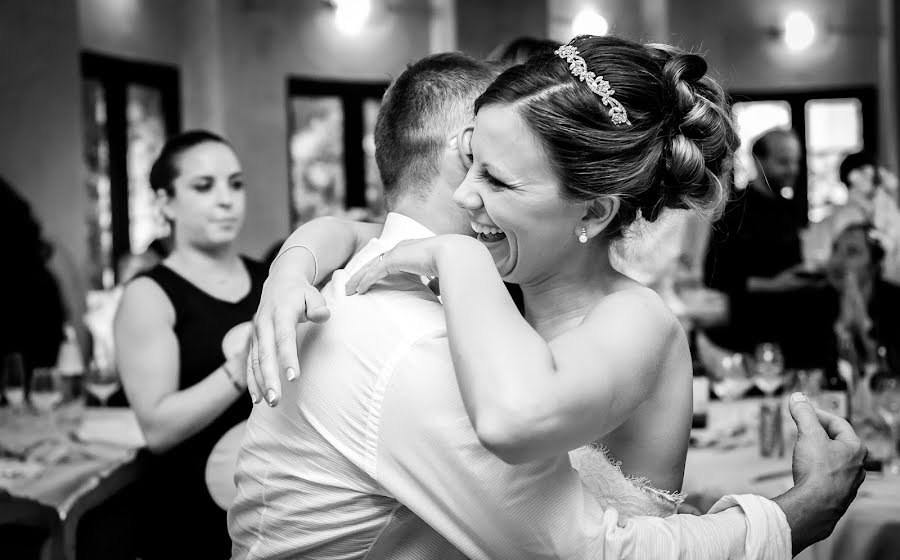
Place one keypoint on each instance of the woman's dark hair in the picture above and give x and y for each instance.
(853, 162)
(161, 247)
(22, 233)
(679, 145)
(165, 168)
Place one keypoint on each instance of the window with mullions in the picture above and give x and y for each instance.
(829, 124)
(331, 150)
(128, 110)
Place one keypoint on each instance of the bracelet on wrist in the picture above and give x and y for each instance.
(297, 246)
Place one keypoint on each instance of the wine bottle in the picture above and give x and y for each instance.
(836, 385)
(701, 385)
(835, 395)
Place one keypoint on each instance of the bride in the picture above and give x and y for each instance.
(567, 151)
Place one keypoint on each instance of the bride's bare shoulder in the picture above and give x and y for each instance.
(637, 297)
(636, 308)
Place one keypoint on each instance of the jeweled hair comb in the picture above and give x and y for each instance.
(578, 68)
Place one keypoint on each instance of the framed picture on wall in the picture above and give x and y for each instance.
(331, 150)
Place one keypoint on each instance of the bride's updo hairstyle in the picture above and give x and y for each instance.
(679, 142)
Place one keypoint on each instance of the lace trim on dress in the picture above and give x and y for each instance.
(630, 495)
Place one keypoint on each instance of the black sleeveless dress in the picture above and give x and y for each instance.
(181, 519)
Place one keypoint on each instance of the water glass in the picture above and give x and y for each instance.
(45, 389)
(13, 381)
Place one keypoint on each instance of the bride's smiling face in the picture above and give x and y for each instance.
(514, 198)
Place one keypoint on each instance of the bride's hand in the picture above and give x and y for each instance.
(418, 256)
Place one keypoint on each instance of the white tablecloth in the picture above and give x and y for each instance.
(870, 530)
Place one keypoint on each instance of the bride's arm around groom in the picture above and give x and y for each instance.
(457, 493)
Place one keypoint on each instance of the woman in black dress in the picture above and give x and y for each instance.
(184, 379)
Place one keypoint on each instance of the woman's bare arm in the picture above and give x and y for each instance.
(147, 355)
(310, 255)
(529, 398)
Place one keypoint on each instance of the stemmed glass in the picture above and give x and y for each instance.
(45, 389)
(886, 397)
(102, 383)
(768, 368)
(14, 381)
(730, 378)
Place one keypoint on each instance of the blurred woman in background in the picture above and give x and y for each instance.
(181, 349)
(863, 305)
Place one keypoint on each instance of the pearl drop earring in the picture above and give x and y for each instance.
(583, 238)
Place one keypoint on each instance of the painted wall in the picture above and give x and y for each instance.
(626, 18)
(482, 26)
(736, 37)
(264, 42)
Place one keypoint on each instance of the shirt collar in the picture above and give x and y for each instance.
(398, 227)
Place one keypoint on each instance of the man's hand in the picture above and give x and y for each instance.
(786, 281)
(287, 299)
(828, 470)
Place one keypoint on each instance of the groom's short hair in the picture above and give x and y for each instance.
(430, 100)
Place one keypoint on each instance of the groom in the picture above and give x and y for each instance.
(372, 454)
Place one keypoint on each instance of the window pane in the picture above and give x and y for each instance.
(96, 159)
(833, 130)
(374, 188)
(146, 136)
(316, 147)
(753, 118)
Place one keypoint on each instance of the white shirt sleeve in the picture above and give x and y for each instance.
(429, 458)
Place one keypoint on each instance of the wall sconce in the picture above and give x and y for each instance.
(589, 22)
(799, 31)
(350, 15)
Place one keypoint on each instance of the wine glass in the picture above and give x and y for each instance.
(886, 397)
(14, 380)
(768, 367)
(730, 378)
(45, 389)
(102, 383)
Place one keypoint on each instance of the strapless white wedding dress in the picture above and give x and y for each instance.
(603, 479)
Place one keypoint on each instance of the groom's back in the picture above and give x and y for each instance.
(306, 471)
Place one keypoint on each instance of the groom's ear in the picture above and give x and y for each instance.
(463, 143)
(598, 213)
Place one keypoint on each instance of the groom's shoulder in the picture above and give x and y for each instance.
(403, 307)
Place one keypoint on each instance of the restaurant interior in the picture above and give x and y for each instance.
(773, 300)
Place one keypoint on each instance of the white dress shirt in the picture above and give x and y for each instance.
(371, 455)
